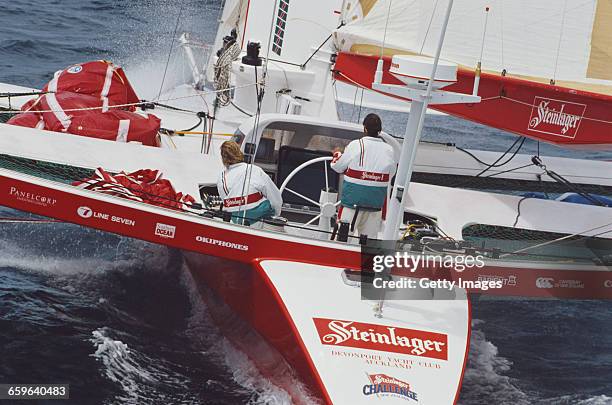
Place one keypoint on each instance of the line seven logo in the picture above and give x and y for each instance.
(85, 212)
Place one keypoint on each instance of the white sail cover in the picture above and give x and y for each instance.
(569, 41)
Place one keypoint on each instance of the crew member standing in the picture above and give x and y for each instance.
(249, 200)
(368, 165)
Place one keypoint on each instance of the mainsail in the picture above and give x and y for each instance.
(546, 64)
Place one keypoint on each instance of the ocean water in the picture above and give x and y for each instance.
(119, 320)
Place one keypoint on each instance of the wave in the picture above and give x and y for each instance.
(577, 400)
(141, 378)
(485, 381)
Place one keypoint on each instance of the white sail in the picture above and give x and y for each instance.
(568, 41)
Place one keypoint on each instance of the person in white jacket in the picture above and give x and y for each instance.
(368, 165)
(249, 201)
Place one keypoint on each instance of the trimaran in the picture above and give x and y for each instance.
(296, 290)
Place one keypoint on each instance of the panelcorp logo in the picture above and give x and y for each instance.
(556, 117)
(608, 283)
(383, 385)
(32, 198)
(165, 231)
(368, 336)
(85, 212)
(545, 282)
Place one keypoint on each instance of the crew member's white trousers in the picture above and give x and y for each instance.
(367, 223)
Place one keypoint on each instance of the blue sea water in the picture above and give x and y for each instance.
(118, 319)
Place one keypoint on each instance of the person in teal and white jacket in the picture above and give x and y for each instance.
(248, 200)
(368, 164)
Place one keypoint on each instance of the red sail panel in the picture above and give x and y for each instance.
(563, 116)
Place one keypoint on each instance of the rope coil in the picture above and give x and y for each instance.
(223, 69)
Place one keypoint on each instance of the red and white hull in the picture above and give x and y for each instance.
(291, 291)
(309, 316)
(247, 245)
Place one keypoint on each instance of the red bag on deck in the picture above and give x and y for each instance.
(117, 125)
(79, 101)
(99, 78)
(29, 119)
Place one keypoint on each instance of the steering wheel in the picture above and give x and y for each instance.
(327, 208)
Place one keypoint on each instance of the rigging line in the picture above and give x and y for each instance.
(286, 77)
(360, 105)
(531, 105)
(548, 256)
(25, 94)
(489, 165)
(247, 180)
(198, 94)
(339, 104)
(501, 8)
(170, 107)
(240, 109)
(303, 65)
(560, 38)
(509, 170)
(447, 236)
(259, 94)
(560, 179)
(285, 62)
(382, 49)
(204, 129)
(354, 102)
(580, 234)
(518, 211)
(497, 164)
(270, 39)
(542, 186)
(428, 27)
(178, 19)
(194, 126)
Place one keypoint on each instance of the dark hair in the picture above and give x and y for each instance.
(372, 124)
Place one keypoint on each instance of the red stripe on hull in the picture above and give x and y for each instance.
(524, 107)
(240, 244)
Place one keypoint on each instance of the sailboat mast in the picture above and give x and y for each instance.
(412, 136)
